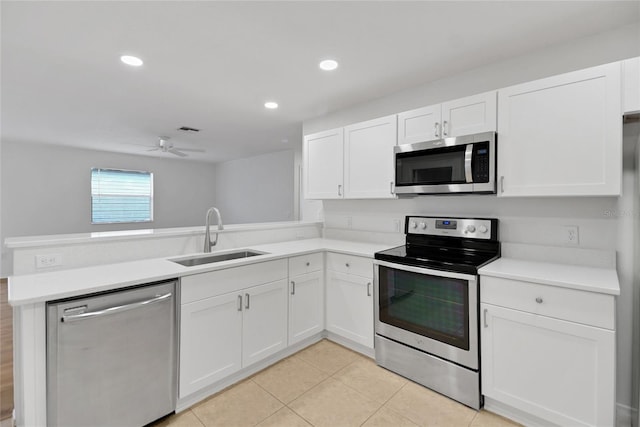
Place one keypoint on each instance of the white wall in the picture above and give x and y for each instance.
(257, 189)
(602, 222)
(46, 190)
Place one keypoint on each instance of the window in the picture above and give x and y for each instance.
(121, 196)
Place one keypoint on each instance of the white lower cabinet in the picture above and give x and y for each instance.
(226, 324)
(306, 306)
(537, 358)
(350, 298)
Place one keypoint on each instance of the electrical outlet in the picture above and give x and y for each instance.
(396, 225)
(48, 260)
(571, 235)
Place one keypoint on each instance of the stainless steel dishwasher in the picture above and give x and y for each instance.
(111, 357)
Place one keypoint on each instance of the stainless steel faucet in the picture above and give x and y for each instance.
(208, 244)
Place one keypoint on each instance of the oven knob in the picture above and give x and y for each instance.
(413, 224)
(423, 225)
(483, 229)
(471, 228)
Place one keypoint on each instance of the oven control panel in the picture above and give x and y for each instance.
(454, 227)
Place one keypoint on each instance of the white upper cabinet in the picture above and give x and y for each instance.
(464, 116)
(323, 165)
(368, 159)
(562, 136)
(631, 85)
(353, 162)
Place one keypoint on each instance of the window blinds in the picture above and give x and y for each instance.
(121, 196)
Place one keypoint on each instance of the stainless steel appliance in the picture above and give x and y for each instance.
(464, 164)
(111, 357)
(427, 303)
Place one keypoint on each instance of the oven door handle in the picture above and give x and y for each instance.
(422, 270)
(468, 156)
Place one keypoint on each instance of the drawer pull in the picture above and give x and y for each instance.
(308, 264)
(346, 265)
(539, 300)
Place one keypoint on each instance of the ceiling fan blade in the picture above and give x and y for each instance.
(194, 150)
(177, 152)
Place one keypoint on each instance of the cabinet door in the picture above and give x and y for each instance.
(306, 306)
(368, 159)
(562, 136)
(473, 114)
(559, 371)
(350, 307)
(323, 165)
(422, 124)
(264, 329)
(210, 341)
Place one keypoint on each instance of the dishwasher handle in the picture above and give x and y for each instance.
(115, 309)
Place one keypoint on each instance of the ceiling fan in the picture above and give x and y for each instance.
(165, 146)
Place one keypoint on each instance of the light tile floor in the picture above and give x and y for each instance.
(329, 385)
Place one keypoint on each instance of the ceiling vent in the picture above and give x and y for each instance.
(188, 129)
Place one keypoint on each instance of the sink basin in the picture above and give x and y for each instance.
(208, 259)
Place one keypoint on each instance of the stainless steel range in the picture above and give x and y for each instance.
(427, 303)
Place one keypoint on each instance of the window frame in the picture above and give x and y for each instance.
(151, 195)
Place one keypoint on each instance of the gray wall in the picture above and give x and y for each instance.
(257, 189)
(45, 189)
(602, 221)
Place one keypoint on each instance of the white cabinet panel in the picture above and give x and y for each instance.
(264, 322)
(323, 165)
(561, 136)
(350, 307)
(464, 116)
(559, 371)
(419, 125)
(473, 114)
(210, 341)
(368, 159)
(306, 306)
(631, 85)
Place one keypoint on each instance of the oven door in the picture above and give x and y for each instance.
(431, 310)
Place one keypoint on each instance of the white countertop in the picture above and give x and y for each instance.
(601, 280)
(41, 287)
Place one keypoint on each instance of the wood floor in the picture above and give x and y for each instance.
(6, 354)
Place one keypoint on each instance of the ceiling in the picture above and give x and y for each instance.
(211, 65)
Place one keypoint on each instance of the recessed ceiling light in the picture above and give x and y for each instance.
(131, 60)
(328, 65)
(271, 105)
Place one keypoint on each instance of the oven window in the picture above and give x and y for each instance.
(431, 306)
(430, 167)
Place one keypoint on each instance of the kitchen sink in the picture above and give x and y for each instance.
(208, 259)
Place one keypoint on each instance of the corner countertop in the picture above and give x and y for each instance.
(590, 279)
(42, 287)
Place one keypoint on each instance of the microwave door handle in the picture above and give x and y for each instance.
(468, 156)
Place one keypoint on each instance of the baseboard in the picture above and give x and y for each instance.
(357, 347)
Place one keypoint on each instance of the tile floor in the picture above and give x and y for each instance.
(329, 385)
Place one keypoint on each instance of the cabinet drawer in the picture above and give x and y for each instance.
(205, 285)
(350, 264)
(305, 264)
(589, 308)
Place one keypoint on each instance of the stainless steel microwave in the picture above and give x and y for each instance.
(464, 164)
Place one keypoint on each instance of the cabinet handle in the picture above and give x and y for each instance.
(293, 287)
(339, 190)
(369, 289)
(445, 131)
(502, 184)
(486, 325)
(308, 264)
(239, 302)
(539, 300)
(391, 187)
(435, 129)
(346, 264)
(247, 304)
